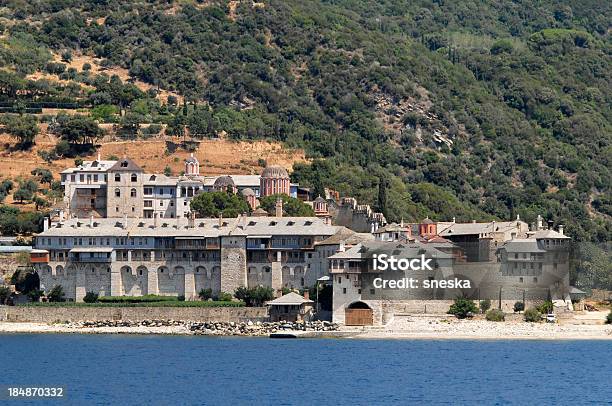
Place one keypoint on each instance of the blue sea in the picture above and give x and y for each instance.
(177, 370)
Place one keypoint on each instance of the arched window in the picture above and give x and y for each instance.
(117, 177)
(117, 192)
(133, 192)
(134, 177)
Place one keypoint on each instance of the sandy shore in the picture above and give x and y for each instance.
(405, 327)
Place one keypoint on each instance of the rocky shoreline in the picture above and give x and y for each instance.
(248, 328)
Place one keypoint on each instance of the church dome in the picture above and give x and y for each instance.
(223, 181)
(248, 192)
(277, 172)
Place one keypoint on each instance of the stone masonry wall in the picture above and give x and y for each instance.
(199, 314)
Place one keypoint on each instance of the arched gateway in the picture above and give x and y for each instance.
(358, 314)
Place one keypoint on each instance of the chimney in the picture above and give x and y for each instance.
(561, 229)
(61, 215)
(98, 157)
(155, 220)
(191, 220)
(518, 217)
(279, 207)
(493, 226)
(91, 221)
(125, 225)
(306, 294)
(341, 247)
(220, 219)
(46, 221)
(473, 221)
(539, 223)
(454, 220)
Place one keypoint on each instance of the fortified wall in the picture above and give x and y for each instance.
(358, 217)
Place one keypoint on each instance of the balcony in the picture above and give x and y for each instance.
(78, 258)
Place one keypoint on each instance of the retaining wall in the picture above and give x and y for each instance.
(199, 314)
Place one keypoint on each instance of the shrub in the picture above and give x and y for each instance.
(137, 299)
(485, 305)
(519, 306)
(205, 294)
(5, 293)
(181, 298)
(463, 308)
(532, 315)
(56, 294)
(546, 307)
(224, 297)
(609, 318)
(495, 315)
(254, 296)
(90, 297)
(35, 295)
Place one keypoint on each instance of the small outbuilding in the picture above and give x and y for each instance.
(291, 307)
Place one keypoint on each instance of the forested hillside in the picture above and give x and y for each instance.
(468, 108)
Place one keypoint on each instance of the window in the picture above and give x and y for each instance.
(117, 209)
(339, 279)
(117, 192)
(133, 192)
(134, 178)
(95, 177)
(161, 203)
(117, 177)
(344, 290)
(148, 191)
(521, 279)
(535, 280)
(81, 178)
(148, 203)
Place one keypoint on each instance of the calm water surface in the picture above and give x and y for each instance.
(118, 370)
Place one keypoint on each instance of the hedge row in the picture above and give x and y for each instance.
(137, 299)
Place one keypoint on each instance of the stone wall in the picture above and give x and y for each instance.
(199, 314)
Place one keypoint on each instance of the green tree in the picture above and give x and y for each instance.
(519, 307)
(23, 128)
(485, 305)
(205, 294)
(213, 204)
(56, 294)
(44, 175)
(291, 206)
(23, 194)
(382, 195)
(80, 129)
(462, 308)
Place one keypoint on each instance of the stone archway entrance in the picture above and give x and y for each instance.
(358, 314)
